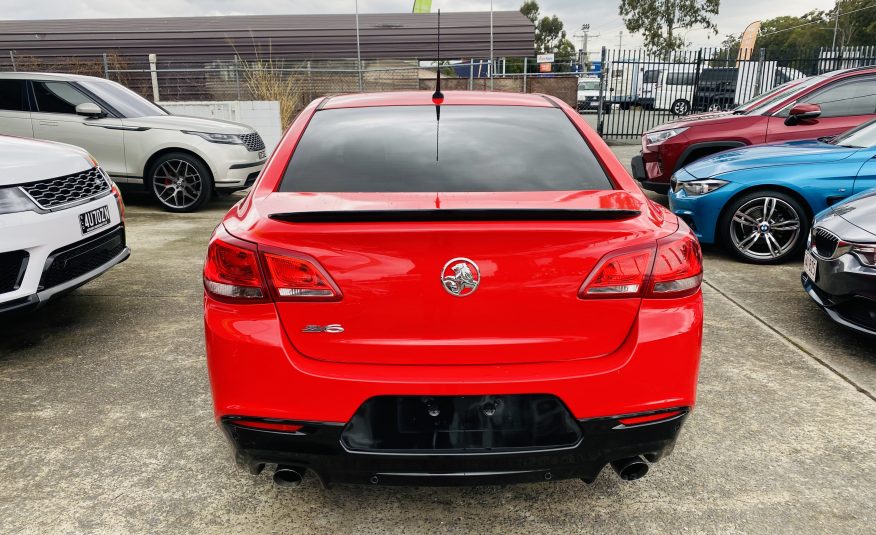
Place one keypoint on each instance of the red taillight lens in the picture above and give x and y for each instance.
(297, 278)
(635, 420)
(678, 268)
(232, 269)
(271, 426)
(619, 276)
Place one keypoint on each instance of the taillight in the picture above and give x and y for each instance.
(297, 278)
(678, 267)
(676, 270)
(622, 275)
(232, 269)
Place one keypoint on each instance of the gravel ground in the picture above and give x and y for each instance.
(108, 427)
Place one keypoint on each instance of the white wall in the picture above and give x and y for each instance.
(262, 115)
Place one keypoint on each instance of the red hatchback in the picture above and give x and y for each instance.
(818, 106)
(465, 294)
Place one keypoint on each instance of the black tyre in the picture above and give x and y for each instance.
(764, 227)
(680, 107)
(180, 182)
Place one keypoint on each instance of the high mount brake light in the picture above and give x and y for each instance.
(234, 272)
(232, 269)
(676, 270)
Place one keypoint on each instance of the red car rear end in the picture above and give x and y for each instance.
(465, 294)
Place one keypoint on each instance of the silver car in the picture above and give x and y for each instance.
(180, 160)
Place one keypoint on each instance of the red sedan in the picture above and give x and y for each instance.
(470, 293)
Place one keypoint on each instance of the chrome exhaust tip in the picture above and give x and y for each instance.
(631, 468)
(288, 476)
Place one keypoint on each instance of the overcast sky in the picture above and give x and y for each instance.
(600, 14)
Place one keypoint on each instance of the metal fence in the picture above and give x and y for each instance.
(638, 91)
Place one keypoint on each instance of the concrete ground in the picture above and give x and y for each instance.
(107, 424)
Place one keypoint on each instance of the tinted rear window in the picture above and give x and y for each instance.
(479, 148)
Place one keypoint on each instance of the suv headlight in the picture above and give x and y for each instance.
(654, 138)
(13, 200)
(227, 139)
(700, 187)
(865, 253)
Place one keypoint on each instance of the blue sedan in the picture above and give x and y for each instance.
(759, 201)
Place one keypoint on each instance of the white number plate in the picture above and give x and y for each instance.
(810, 265)
(94, 219)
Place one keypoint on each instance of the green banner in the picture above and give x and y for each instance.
(422, 6)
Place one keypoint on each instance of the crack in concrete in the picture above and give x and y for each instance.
(795, 344)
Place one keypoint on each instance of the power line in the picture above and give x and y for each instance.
(816, 21)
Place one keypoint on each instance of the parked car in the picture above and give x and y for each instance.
(588, 95)
(61, 222)
(758, 201)
(513, 326)
(814, 107)
(179, 160)
(839, 269)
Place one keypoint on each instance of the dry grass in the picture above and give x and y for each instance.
(267, 80)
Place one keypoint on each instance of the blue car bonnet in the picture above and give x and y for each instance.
(791, 153)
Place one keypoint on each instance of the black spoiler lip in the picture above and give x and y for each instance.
(453, 214)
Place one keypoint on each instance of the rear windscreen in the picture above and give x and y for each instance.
(472, 148)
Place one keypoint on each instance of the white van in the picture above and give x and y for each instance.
(669, 87)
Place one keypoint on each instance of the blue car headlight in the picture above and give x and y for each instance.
(695, 188)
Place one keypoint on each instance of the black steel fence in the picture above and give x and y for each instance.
(638, 91)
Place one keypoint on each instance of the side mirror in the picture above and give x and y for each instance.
(802, 112)
(89, 109)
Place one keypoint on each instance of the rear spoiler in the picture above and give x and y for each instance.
(464, 214)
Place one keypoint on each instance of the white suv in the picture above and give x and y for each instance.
(180, 160)
(61, 221)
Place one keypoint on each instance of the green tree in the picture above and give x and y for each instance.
(658, 21)
(550, 37)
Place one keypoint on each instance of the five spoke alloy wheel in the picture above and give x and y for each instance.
(765, 227)
(180, 182)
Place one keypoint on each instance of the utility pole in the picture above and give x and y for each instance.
(620, 39)
(584, 34)
(358, 49)
(835, 25)
(491, 45)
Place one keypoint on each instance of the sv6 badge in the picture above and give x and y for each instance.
(331, 328)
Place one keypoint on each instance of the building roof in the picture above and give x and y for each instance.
(300, 37)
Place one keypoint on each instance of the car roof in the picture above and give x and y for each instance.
(47, 76)
(424, 98)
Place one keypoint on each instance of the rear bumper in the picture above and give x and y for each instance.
(255, 372)
(318, 447)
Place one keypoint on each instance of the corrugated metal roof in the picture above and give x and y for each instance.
(300, 37)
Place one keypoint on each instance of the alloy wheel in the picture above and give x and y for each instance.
(680, 107)
(765, 228)
(177, 184)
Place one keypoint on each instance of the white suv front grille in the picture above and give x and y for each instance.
(55, 192)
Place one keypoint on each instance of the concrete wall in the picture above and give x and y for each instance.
(261, 115)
